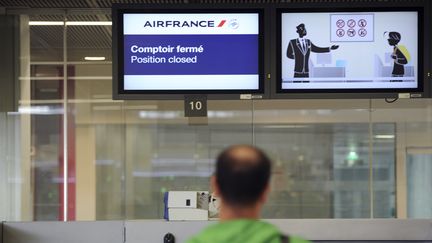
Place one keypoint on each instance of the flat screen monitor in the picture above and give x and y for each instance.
(355, 50)
(188, 51)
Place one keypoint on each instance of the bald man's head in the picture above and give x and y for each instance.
(242, 174)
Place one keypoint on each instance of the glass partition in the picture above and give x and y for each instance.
(70, 152)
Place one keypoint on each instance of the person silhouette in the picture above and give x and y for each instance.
(300, 48)
(241, 182)
(399, 55)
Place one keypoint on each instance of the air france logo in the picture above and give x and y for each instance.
(232, 23)
(222, 23)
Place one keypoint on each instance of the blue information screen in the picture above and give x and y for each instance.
(195, 51)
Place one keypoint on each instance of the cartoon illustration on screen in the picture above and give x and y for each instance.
(299, 49)
(400, 55)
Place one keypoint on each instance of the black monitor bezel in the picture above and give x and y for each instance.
(423, 89)
(118, 62)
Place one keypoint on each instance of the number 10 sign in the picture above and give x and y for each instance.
(195, 106)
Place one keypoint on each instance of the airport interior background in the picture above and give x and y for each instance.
(333, 158)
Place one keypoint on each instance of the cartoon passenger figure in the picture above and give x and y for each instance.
(299, 49)
(400, 55)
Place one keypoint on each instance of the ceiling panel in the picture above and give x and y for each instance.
(76, 3)
(108, 3)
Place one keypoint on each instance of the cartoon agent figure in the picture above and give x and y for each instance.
(400, 55)
(299, 49)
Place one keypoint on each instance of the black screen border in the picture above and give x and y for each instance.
(118, 61)
(423, 89)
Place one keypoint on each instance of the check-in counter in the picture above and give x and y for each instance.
(319, 230)
(64, 232)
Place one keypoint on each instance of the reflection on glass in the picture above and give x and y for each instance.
(46, 130)
(12, 178)
(164, 153)
(419, 178)
(46, 42)
(89, 43)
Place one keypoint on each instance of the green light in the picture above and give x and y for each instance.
(352, 156)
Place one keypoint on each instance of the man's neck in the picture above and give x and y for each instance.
(227, 212)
